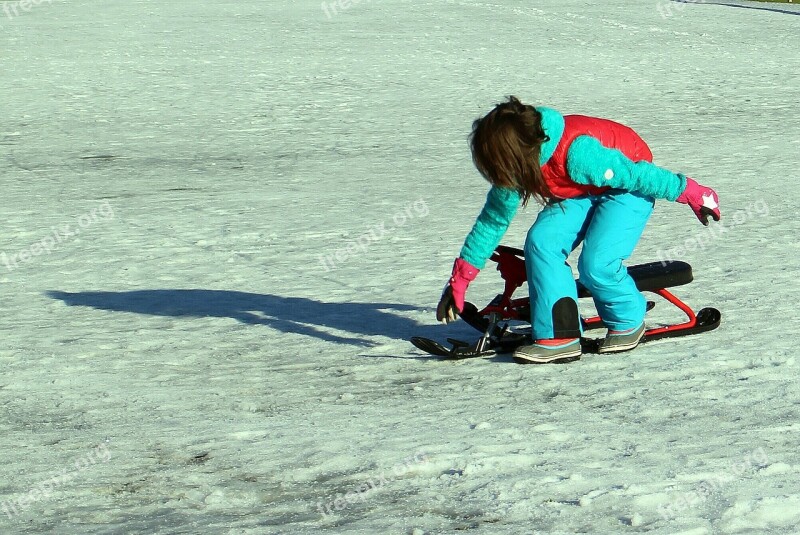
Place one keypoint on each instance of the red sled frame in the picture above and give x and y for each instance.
(653, 277)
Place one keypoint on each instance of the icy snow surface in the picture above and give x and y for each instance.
(191, 343)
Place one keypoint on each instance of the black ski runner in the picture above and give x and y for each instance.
(707, 319)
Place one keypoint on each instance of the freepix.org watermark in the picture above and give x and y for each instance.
(59, 236)
(363, 491)
(41, 491)
(334, 7)
(665, 8)
(752, 461)
(13, 8)
(714, 232)
(413, 210)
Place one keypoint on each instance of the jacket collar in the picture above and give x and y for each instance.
(553, 125)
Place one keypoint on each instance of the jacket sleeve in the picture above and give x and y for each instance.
(490, 227)
(590, 163)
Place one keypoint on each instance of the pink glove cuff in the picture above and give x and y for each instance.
(701, 199)
(464, 270)
(463, 274)
(691, 192)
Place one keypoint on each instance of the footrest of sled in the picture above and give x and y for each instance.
(460, 349)
(430, 346)
(708, 319)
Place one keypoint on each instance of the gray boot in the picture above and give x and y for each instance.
(539, 354)
(615, 343)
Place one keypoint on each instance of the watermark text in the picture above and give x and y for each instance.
(752, 461)
(58, 236)
(365, 489)
(713, 232)
(41, 491)
(12, 8)
(359, 246)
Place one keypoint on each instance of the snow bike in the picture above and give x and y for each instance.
(493, 320)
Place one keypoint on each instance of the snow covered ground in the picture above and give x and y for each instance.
(191, 343)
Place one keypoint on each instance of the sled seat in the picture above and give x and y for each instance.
(649, 277)
(654, 276)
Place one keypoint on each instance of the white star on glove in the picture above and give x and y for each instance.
(709, 202)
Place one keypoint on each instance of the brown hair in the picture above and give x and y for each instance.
(506, 145)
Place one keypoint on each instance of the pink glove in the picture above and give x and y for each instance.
(452, 301)
(701, 199)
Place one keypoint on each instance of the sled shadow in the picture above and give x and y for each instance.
(286, 314)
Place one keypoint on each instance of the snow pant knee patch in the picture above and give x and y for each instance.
(565, 319)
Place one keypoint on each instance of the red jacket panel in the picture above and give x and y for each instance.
(610, 134)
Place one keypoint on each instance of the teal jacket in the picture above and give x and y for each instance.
(592, 158)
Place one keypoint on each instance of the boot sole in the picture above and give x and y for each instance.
(521, 358)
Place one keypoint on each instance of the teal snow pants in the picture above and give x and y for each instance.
(609, 225)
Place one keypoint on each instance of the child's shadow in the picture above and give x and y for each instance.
(286, 314)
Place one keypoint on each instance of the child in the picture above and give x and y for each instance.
(598, 186)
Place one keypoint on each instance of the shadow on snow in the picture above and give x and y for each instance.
(760, 8)
(286, 314)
